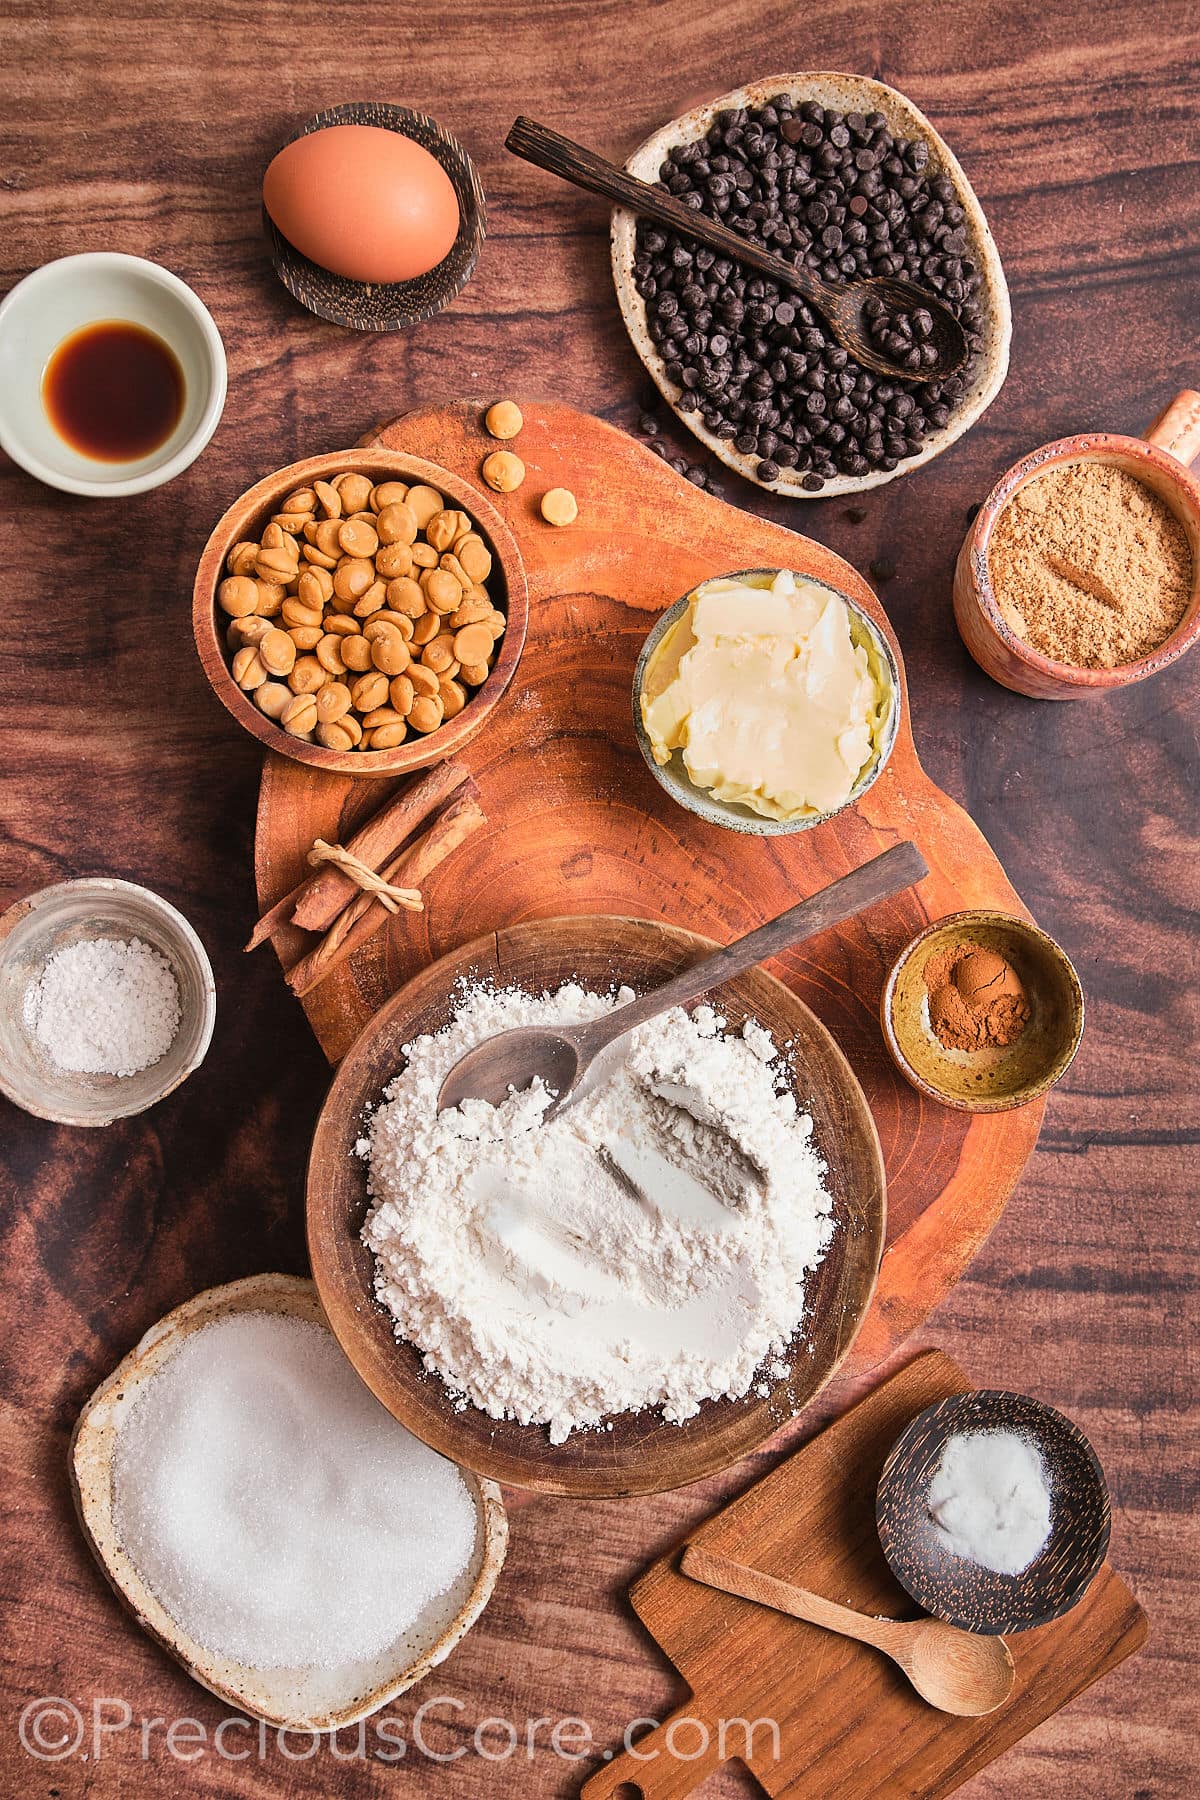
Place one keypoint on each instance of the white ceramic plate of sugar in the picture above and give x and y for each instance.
(301, 1698)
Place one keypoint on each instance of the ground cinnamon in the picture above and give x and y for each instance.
(976, 999)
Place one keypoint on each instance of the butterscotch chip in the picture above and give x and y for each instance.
(503, 471)
(317, 559)
(424, 502)
(474, 556)
(248, 670)
(390, 654)
(250, 630)
(438, 654)
(443, 528)
(354, 492)
(397, 524)
(426, 714)
(424, 680)
(404, 595)
(332, 702)
(402, 693)
(353, 577)
(343, 624)
(328, 498)
(329, 654)
(305, 637)
(470, 613)
(389, 493)
(271, 698)
(241, 558)
(453, 697)
(392, 560)
(381, 715)
(441, 590)
(559, 507)
(335, 734)
(307, 675)
(426, 628)
(238, 596)
(474, 674)
(278, 653)
(386, 737)
(369, 691)
(357, 539)
(473, 644)
(356, 653)
(504, 419)
(370, 601)
(299, 716)
(314, 587)
(271, 596)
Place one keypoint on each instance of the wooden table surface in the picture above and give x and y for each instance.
(144, 126)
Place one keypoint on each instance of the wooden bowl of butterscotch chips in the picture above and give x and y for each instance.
(361, 612)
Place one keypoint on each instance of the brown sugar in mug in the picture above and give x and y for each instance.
(1161, 461)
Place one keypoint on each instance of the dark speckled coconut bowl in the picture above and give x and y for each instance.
(962, 1592)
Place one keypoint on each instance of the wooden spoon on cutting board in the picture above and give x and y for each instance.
(953, 1670)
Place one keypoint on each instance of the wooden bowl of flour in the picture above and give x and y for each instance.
(638, 1452)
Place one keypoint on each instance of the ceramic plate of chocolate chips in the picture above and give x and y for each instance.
(848, 175)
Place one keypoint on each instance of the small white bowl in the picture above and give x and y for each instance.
(71, 912)
(61, 298)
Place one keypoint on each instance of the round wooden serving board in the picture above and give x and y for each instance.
(578, 825)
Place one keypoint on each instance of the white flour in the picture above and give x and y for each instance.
(107, 1006)
(648, 1248)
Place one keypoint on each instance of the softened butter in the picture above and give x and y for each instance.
(773, 694)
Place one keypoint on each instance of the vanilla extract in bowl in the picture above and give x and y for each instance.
(114, 391)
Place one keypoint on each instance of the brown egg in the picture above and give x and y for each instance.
(362, 202)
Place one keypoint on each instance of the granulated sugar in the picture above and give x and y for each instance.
(646, 1248)
(108, 1006)
(280, 1514)
(989, 1500)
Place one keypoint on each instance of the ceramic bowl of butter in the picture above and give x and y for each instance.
(766, 701)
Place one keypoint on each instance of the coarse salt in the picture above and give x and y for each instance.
(989, 1500)
(279, 1513)
(104, 1006)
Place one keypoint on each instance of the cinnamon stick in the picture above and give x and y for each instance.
(315, 902)
(364, 915)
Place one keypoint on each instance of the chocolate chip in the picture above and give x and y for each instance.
(855, 514)
(883, 569)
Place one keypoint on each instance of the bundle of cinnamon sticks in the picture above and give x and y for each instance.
(403, 842)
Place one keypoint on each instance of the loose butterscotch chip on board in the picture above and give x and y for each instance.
(559, 507)
(503, 471)
(504, 419)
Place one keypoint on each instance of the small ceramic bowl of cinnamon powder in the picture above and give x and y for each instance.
(982, 1011)
(1081, 572)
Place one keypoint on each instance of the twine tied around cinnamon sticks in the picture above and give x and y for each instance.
(388, 895)
(357, 886)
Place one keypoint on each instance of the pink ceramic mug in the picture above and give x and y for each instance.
(1161, 460)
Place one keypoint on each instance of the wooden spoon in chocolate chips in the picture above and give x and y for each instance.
(861, 314)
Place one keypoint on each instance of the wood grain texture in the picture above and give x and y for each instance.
(578, 823)
(145, 126)
(812, 1522)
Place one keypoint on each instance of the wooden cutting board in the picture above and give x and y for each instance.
(849, 1725)
(578, 824)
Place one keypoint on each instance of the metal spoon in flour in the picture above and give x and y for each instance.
(571, 1060)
